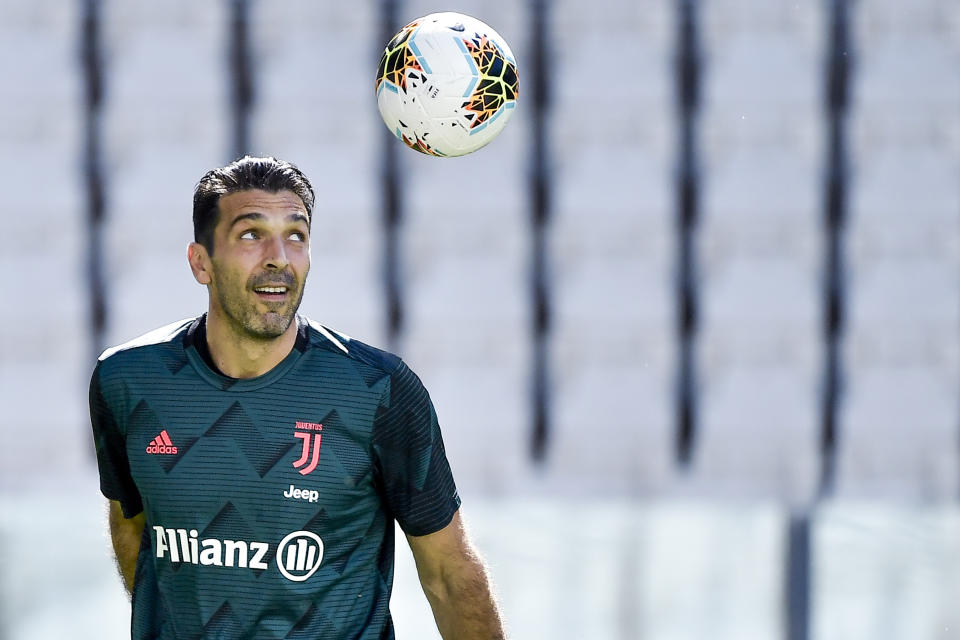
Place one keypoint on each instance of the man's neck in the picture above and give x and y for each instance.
(239, 356)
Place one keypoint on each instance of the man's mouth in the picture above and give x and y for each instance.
(272, 293)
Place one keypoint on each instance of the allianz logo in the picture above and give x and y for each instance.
(298, 555)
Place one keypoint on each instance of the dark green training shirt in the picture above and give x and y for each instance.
(269, 501)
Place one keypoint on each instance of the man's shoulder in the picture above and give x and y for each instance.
(143, 358)
(331, 340)
(157, 338)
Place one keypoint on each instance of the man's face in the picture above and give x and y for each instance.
(261, 256)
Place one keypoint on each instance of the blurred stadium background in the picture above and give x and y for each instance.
(691, 323)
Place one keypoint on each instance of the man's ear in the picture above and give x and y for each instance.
(200, 264)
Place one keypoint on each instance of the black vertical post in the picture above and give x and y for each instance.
(392, 198)
(92, 63)
(836, 101)
(540, 207)
(241, 74)
(798, 577)
(835, 214)
(688, 98)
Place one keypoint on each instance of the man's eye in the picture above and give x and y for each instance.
(299, 236)
(248, 235)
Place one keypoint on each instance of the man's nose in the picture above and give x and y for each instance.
(276, 255)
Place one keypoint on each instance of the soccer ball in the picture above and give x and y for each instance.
(447, 84)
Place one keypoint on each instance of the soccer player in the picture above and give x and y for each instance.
(255, 461)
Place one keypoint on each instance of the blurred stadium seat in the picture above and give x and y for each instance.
(903, 354)
(900, 415)
(610, 82)
(885, 570)
(759, 343)
(164, 126)
(464, 238)
(43, 340)
(886, 451)
(299, 52)
(466, 326)
(905, 203)
(687, 551)
(905, 55)
(611, 238)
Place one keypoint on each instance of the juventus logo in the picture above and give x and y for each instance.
(311, 446)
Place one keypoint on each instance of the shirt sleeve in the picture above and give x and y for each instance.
(116, 483)
(416, 481)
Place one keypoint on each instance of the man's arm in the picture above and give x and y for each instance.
(125, 534)
(457, 584)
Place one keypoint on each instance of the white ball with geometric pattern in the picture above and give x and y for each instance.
(447, 84)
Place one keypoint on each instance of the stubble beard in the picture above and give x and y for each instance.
(249, 323)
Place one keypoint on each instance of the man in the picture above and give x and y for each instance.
(255, 461)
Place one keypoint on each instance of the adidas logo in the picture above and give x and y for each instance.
(162, 444)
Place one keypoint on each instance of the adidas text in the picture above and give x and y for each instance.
(155, 448)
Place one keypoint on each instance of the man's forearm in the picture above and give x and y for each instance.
(463, 603)
(125, 534)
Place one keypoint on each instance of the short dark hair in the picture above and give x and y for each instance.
(268, 174)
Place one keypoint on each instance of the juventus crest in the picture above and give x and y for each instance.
(309, 432)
